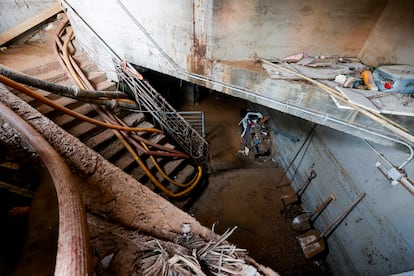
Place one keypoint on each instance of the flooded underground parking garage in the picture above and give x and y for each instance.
(206, 138)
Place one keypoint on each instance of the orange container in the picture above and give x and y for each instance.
(369, 80)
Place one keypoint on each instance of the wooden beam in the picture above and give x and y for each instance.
(29, 23)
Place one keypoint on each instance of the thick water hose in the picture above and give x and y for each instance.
(51, 103)
(66, 91)
(73, 243)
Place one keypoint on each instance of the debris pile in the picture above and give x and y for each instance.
(387, 89)
(121, 251)
(255, 135)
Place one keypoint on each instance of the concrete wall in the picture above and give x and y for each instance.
(377, 31)
(376, 238)
(169, 23)
(13, 12)
(280, 28)
(391, 40)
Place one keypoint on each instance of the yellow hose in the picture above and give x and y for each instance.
(152, 177)
(161, 171)
(85, 86)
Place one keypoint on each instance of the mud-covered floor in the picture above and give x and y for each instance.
(241, 192)
(246, 192)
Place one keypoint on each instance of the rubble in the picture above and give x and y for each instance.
(255, 136)
(386, 89)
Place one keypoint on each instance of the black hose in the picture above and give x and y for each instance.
(66, 91)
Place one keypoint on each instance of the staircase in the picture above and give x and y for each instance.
(104, 141)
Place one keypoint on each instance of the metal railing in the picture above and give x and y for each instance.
(195, 119)
(168, 118)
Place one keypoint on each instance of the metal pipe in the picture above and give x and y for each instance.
(73, 243)
(407, 184)
(409, 158)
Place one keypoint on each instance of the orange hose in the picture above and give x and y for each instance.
(161, 171)
(152, 177)
(51, 103)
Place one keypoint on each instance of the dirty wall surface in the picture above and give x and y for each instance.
(376, 238)
(217, 44)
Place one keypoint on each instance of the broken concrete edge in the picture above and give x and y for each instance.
(110, 192)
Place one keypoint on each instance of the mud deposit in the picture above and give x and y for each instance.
(245, 192)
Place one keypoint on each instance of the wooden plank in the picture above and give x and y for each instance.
(29, 23)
